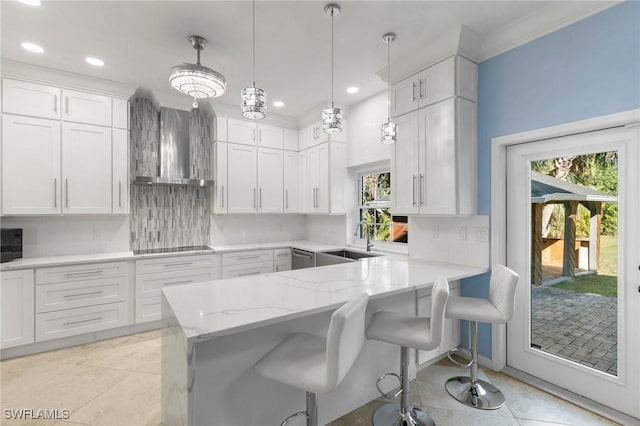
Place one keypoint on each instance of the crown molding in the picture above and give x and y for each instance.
(540, 23)
(65, 79)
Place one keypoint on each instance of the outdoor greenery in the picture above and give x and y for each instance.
(598, 171)
(376, 192)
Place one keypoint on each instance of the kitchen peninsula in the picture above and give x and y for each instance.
(214, 332)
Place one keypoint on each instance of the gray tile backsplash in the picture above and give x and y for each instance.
(165, 216)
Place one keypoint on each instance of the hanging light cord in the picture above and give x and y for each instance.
(254, 42)
(332, 12)
(389, 81)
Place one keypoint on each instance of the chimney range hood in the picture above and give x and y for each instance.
(173, 153)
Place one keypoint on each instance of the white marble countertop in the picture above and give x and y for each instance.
(39, 262)
(223, 307)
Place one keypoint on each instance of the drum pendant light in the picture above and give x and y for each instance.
(253, 100)
(332, 117)
(196, 80)
(389, 130)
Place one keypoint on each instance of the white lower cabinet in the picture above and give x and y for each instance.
(451, 332)
(16, 308)
(80, 299)
(245, 263)
(281, 260)
(153, 274)
(69, 322)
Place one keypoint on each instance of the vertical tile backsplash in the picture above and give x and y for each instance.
(167, 215)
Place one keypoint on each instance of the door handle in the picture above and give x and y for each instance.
(66, 192)
(260, 195)
(254, 134)
(81, 321)
(254, 197)
(55, 192)
(119, 193)
(421, 189)
(286, 198)
(413, 92)
(260, 135)
(84, 294)
(66, 103)
(421, 93)
(222, 196)
(415, 178)
(55, 103)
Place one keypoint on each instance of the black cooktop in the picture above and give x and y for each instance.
(171, 250)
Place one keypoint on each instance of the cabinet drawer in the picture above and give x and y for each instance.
(86, 108)
(179, 263)
(258, 268)
(76, 294)
(281, 254)
(251, 256)
(282, 265)
(54, 325)
(60, 274)
(148, 309)
(151, 284)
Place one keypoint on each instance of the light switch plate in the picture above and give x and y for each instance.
(462, 233)
(482, 234)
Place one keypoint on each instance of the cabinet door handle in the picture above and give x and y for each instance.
(66, 103)
(244, 274)
(415, 178)
(413, 92)
(260, 194)
(254, 134)
(83, 294)
(66, 192)
(222, 196)
(421, 189)
(55, 192)
(74, 274)
(179, 282)
(55, 103)
(286, 198)
(119, 193)
(260, 135)
(421, 92)
(257, 256)
(169, 265)
(81, 321)
(254, 198)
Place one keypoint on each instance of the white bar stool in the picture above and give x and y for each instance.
(497, 309)
(315, 364)
(408, 331)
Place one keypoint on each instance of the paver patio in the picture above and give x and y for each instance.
(581, 327)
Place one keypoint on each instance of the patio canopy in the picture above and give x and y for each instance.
(545, 189)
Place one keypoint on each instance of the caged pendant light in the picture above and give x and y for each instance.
(332, 117)
(389, 130)
(196, 80)
(253, 100)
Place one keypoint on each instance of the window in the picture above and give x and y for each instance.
(374, 203)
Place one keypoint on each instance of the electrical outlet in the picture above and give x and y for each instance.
(462, 233)
(482, 234)
(435, 232)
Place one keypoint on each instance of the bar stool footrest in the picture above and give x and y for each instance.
(392, 393)
(462, 352)
(479, 394)
(389, 415)
(293, 416)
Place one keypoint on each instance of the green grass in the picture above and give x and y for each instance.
(605, 285)
(609, 255)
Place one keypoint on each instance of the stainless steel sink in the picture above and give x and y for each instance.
(340, 256)
(351, 254)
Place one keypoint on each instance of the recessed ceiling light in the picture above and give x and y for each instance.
(32, 47)
(353, 89)
(278, 104)
(95, 62)
(31, 2)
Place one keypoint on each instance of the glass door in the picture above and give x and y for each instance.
(572, 213)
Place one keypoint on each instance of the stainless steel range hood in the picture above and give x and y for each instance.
(173, 152)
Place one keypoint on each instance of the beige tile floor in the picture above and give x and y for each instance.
(117, 383)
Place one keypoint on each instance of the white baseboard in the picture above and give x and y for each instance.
(571, 397)
(51, 345)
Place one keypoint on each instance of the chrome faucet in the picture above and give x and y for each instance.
(362, 222)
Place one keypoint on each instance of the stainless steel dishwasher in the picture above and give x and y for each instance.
(302, 259)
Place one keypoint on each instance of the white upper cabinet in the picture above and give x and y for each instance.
(323, 188)
(313, 135)
(220, 188)
(242, 132)
(38, 100)
(290, 178)
(220, 129)
(120, 169)
(455, 76)
(270, 136)
(241, 179)
(291, 140)
(86, 169)
(304, 195)
(120, 113)
(30, 166)
(270, 184)
(405, 166)
(88, 108)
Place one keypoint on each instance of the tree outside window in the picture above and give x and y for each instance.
(374, 209)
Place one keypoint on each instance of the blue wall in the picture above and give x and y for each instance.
(588, 69)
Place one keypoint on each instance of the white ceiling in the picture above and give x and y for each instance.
(141, 40)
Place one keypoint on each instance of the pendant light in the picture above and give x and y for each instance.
(389, 130)
(253, 100)
(196, 80)
(332, 117)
